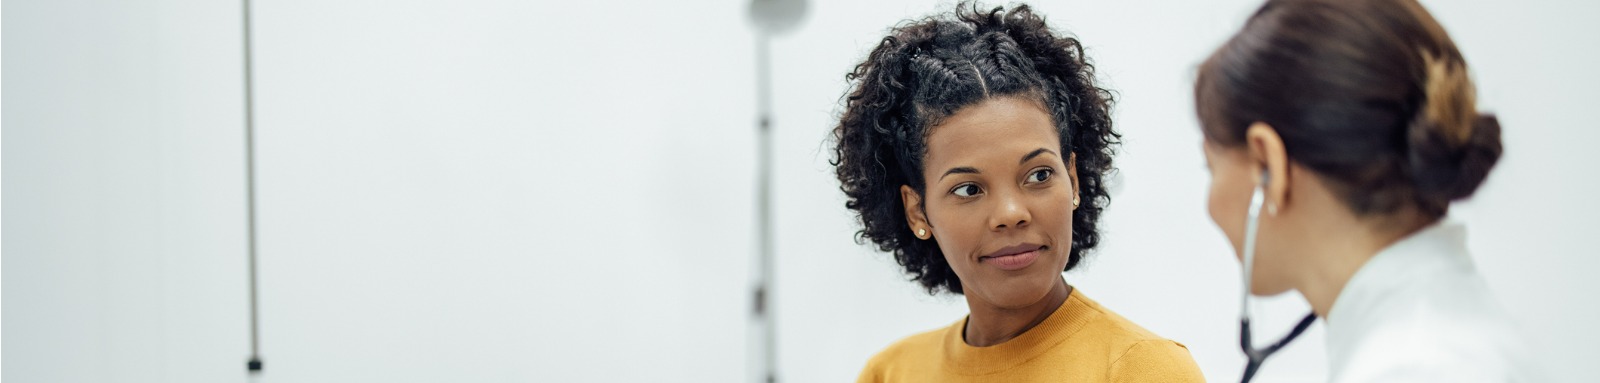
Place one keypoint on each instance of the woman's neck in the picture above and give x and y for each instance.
(1340, 245)
(989, 325)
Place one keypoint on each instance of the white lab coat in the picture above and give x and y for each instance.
(1419, 312)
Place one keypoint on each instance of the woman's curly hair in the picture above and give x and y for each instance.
(928, 69)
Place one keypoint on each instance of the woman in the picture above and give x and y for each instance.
(1351, 125)
(973, 147)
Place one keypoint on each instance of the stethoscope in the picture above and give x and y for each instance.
(1258, 355)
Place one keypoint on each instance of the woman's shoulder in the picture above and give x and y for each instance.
(916, 348)
(910, 347)
(1139, 354)
(1155, 360)
(1116, 328)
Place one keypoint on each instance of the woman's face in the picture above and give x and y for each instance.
(1234, 178)
(999, 200)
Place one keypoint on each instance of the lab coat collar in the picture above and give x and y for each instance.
(1440, 247)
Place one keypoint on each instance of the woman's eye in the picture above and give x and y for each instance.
(966, 190)
(1040, 175)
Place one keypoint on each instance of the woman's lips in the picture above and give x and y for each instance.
(1012, 262)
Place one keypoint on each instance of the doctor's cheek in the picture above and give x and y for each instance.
(1227, 218)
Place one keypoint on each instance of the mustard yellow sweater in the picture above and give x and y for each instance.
(1080, 342)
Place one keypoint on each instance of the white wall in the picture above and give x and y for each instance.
(497, 190)
(504, 190)
(123, 257)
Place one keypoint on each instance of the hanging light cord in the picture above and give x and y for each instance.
(254, 365)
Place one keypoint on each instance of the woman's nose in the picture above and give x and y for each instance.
(1011, 210)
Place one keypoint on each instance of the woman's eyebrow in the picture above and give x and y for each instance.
(971, 170)
(960, 170)
(1036, 153)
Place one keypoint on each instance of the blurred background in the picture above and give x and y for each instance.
(498, 191)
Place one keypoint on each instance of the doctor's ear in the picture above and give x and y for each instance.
(1267, 154)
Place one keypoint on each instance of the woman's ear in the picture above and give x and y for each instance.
(1267, 154)
(916, 218)
(1072, 173)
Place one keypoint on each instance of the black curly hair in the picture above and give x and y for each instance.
(928, 69)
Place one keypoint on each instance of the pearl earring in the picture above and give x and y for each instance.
(922, 233)
(1074, 202)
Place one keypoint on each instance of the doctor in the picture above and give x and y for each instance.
(1337, 132)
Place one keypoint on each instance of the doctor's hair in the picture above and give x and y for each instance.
(926, 70)
(1372, 95)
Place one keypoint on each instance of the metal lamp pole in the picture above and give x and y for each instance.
(771, 17)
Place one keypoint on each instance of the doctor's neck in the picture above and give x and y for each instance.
(1329, 242)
